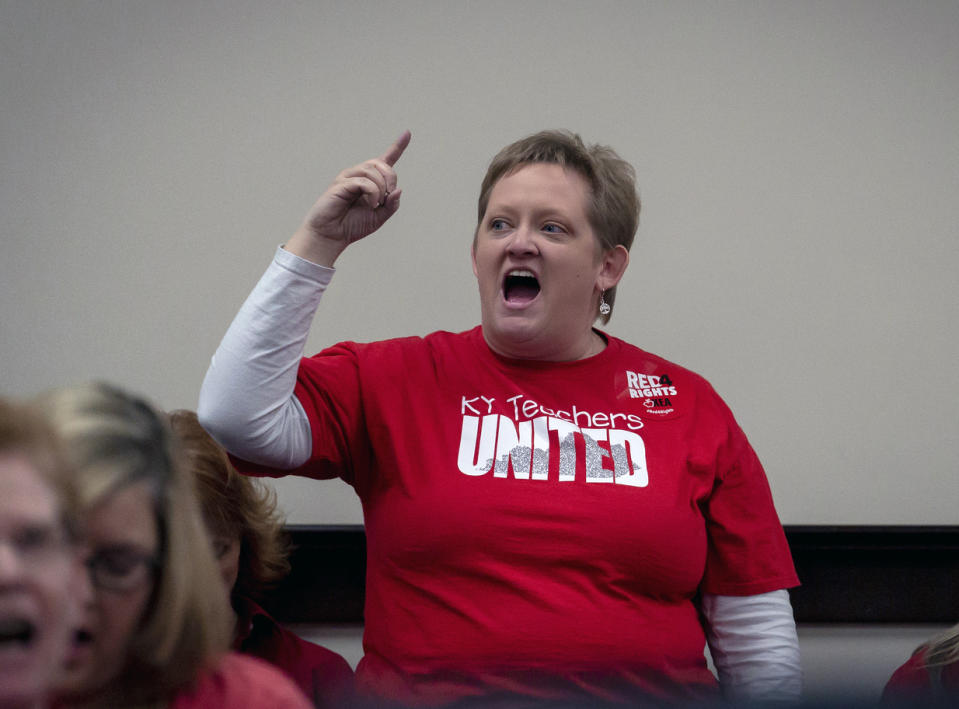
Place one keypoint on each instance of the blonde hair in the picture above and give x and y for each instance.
(613, 206)
(235, 505)
(25, 432)
(113, 440)
(940, 651)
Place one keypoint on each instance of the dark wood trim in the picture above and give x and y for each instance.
(327, 580)
(876, 574)
(849, 574)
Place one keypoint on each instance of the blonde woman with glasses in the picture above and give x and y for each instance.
(157, 630)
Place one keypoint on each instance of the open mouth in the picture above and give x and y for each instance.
(81, 649)
(82, 637)
(520, 287)
(16, 632)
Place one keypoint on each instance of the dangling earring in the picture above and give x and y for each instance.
(603, 305)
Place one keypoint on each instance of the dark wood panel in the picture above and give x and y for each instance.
(850, 574)
(876, 574)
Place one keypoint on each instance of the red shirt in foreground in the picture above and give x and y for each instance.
(914, 685)
(323, 676)
(242, 682)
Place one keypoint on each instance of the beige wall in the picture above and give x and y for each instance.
(799, 165)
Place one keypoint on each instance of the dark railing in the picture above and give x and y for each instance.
(849, 574)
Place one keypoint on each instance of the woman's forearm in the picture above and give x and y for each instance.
(246, 401)
(754, 646)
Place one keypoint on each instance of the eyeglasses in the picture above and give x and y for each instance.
(120, 568)
(221, 546)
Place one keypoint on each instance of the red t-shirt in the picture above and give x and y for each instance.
(322, 675)
(913, 685)
(538, 528)
(242, 682)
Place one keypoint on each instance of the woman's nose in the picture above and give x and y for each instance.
(522, 242)
(84, 592)
(11, 565)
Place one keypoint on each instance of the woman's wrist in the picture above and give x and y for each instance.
(316, 249)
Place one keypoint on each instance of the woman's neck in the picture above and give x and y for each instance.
(582, 349)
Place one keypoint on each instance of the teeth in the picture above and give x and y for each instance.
(520, 285)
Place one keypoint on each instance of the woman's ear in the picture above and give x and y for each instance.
(614, 263)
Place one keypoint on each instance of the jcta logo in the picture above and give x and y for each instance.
(650, 387)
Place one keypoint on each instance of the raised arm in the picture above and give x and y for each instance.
(246, 401)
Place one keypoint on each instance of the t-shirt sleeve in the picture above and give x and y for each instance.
(328, 388)
(747, 549)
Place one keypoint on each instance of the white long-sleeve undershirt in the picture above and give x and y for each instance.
(753, 643)
(247, 401)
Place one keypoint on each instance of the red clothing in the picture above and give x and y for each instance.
(913, 684)
(538, 529)
(242, 682)
(323, 676)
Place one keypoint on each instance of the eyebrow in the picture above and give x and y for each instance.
(121, 547)
(539, 213)
(20, 523)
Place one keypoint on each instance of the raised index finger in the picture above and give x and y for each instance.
(393, 152)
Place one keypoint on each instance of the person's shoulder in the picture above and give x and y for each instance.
(239, 681)
(393, 345)
(424, 354)
(318, 658)
(667, 390)
(646, 362)
(910, 681)
(297, 656)
(437, 338)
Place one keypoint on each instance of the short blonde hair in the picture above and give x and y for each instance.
(235, 505)
(112, 440)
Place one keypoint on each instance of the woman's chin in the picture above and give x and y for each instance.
(74, 682)
(515, 337)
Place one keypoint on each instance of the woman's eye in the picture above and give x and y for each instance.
(118, 563)
(220, 548)
(497, 224)
(35, 540)
(120, 569)
(553, 229)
